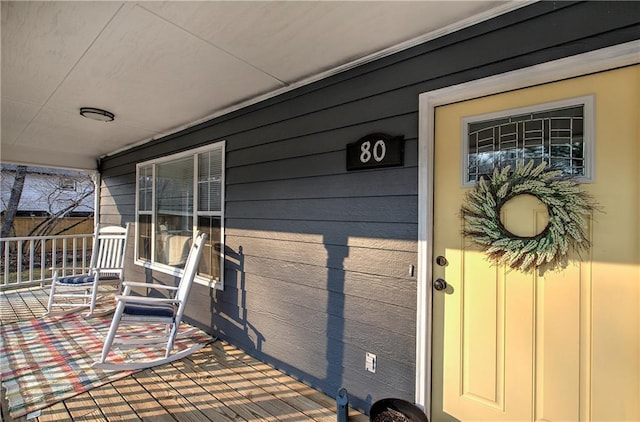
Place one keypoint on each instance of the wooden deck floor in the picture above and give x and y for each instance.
(217, 383)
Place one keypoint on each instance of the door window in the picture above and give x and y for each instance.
(558, 133)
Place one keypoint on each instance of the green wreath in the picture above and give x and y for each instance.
(566, 204)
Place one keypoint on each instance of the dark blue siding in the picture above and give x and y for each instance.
(318, 258)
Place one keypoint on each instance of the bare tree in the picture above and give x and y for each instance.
(60, 201)
(12, 205)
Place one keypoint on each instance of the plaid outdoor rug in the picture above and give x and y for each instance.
(44, 361)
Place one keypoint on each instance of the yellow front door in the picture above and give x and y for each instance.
(561, 345)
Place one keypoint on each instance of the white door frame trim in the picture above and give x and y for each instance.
(595, 61)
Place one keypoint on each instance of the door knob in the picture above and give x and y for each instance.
(439, 284)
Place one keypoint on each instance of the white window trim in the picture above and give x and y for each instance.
(68, 184)
(166, 269)
(579, 65)
(587, 101)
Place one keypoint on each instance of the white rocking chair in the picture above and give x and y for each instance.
(143, 310)
(73, 293)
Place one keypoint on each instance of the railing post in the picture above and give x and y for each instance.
(31, 258)
(84, 252)
(7, 264)
(64, 258)
(43, 261)
(19, 262)
(54, 258)
(74, 244)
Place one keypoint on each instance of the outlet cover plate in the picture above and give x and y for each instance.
(371, 362)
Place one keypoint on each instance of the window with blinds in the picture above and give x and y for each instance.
(177, 196)
(559, 134)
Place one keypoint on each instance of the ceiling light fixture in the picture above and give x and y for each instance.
(96, 114)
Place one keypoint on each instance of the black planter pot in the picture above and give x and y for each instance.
(396, 410)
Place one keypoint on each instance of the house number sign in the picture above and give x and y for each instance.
(374, 151)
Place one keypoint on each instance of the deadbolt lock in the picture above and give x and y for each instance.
(441, 260)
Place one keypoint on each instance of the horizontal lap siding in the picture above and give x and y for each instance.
(324, 255)
(319, 260)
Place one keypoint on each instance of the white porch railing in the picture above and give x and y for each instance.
(28, 261)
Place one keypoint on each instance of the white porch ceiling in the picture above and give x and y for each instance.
(159, 66)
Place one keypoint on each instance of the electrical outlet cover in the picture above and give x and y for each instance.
(371, 362)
